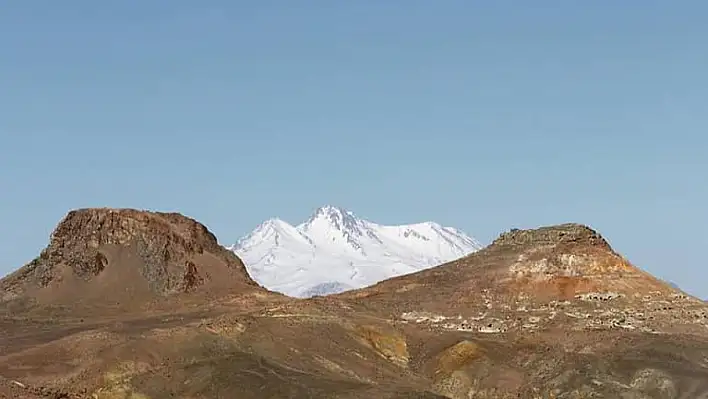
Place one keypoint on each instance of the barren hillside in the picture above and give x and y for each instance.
(133, 304)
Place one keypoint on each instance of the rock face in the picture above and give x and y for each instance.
(165, 253)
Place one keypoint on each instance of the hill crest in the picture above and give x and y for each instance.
(567, 233)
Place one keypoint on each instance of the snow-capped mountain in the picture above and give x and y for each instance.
(335, 251)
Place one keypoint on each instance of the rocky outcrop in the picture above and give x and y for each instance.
(568, 233)
(168, 249)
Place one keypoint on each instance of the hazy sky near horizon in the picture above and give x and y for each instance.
(479, 115)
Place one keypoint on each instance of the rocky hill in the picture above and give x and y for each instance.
(553, 312)
(569, 272)
(123, 256)
(560, 290)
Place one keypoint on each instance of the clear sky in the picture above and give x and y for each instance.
(479, 115)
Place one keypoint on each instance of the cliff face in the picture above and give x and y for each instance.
(169, 252)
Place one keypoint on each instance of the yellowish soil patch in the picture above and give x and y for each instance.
(389, 344)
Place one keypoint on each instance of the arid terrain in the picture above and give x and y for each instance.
(134, 304)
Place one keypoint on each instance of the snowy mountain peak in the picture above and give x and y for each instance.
(334, 250)
(338, 227)
(330, 211)
(333, 217)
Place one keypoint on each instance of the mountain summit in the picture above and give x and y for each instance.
(334, 251)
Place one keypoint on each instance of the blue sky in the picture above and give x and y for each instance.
(480, 115)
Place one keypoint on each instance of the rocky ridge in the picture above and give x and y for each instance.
(553, 235)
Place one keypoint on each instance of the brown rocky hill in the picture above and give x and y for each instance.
(130, 304)
(124, 256)
(605, 326)
(554, 266)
